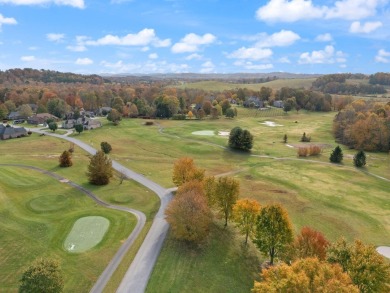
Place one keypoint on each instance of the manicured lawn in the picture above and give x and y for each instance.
(29, 228)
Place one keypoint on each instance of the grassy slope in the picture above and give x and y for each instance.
(44, 152)
(275, 84)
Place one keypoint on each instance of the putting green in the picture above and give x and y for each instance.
(48, 203)
(204, 132)
(86, 233)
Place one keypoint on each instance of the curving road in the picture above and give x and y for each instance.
(138, 274)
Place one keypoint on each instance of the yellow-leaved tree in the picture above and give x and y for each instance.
(184, 170)
(245, 213)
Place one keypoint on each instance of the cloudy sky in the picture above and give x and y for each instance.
(202, 36)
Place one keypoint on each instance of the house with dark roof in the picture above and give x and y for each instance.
(7, 132)
(41, 118)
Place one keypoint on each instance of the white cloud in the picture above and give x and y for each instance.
(55, 37)
(194, 56)
(192, 43)
(284, 60)
(74, 3)
(327, 37)
(281, 39)
(295, 10)
(327, 56)
(27, 58)
(153, 56)
(84, 61)
(207, 67)
(6, 20)
(250, 66)
(145, 49)
(366, 28)
(77, 48)
(144, 37)
(251, 53)
(383, 56)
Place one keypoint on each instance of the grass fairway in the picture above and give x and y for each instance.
(81, 270)
(29, 230)
(223, 265)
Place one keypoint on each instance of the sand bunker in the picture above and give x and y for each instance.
(223, 133)
(271, 123)
(384, 250)
(204, 132)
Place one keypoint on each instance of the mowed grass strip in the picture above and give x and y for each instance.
(26, 232)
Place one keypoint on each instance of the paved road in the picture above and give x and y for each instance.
(141, 218)
(138, 274)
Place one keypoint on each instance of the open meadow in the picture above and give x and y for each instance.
(337, 199)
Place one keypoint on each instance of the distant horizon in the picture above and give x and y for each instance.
(203, 37)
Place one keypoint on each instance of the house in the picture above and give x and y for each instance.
(7, 132)
(15, 116)
(86, 122)
(253, 102)
(104, 110)
(278, 104)
(70, 123)
(92, 124)
(41, 118)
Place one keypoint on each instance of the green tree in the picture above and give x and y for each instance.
(3, 111)
(240, 139)
(285, 138)
(225, 195)
(25, 111)
(100, 169)
(225, 104)
(114, 116)
(273, 231)
(359, 160)
(57, 107)
(245, 212)
(53, 126)
(337, 155)
(367, 268)
(42, 276)
(66, 159)
(79, 128)
(106, 147)
(230, 113)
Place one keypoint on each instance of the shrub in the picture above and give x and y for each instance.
(303, 152)
(65, 159)
(305, 138)
(148, 123)
(179, 117)
(312, 150)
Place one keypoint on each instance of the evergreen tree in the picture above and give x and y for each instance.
(79, 128)
(106, 147)
(240, 139)
(359, 160)
(337, 155)
(100, 169)
(285, 138)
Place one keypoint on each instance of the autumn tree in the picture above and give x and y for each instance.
(189, 217)
(310, 243)
(114, 116)
(240, 139)
(66, 159)
(207, 107)
(44, 276)
(245, 213)
(190, 114)
(184, 170)
(273, 231)
(225, 195)
(79, 128)
(337, 155)
(305, 275)
(367, 268)
(359, 159)
(25, 111)
(100, 169)
(195, 186)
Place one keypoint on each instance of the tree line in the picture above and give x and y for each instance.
(364, 125)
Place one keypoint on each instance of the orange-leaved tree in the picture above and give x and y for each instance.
(245, 213)
(310, 243)
(184, 170)
(189, 217)
(305, 275)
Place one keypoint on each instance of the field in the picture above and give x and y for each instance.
(275, 84)
(38, 212)
(335, 199)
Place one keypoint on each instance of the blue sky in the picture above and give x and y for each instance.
(214, 36)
